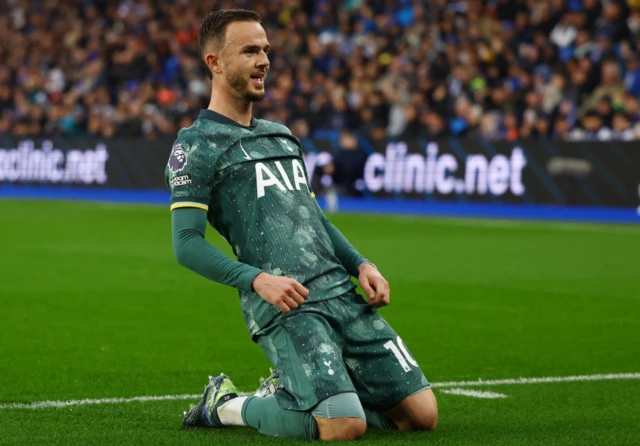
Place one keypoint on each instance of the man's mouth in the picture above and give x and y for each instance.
(258, 79)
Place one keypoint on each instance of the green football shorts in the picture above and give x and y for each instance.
(339, 345)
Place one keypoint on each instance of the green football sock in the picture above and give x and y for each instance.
(270, 419)
(379, 420)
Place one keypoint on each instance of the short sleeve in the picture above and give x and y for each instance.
(189, 172)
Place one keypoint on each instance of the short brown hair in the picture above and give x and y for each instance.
(214, 26)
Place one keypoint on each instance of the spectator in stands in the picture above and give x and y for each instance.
(610, 88)
(561, 128)
(349, 165)
(490, 127)
(632, 76)
(591, 128)
(622, 130)
(435, 126)
(631, 106)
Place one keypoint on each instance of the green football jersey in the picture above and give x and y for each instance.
(253, 184)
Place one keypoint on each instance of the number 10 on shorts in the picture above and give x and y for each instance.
(402, 357)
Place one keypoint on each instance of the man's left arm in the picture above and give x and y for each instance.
(372, 282)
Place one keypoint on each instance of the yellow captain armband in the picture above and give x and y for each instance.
(313, 195)
(189, 204)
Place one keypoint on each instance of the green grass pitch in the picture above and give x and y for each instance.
(93, 305)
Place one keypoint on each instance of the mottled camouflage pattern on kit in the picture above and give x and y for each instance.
(279, 232)
(336, 346)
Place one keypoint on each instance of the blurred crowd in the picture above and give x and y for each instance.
(497, 69)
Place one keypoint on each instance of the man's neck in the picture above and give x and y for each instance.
(233, 108)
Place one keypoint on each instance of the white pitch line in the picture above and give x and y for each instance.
(475, 393)
(494, 382)
(548, 379)
(58, 404)
(85, 402)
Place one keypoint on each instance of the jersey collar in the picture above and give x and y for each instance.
(213, 116)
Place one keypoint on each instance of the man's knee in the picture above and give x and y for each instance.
(339, 429)
(416, 412)
(340, 417)
(426, 419)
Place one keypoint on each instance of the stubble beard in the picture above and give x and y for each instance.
(240, 83)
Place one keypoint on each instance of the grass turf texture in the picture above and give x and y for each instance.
(93, 305)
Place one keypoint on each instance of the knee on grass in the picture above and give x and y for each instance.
(426, 420)
(417, 412)
(341, 429)
(340, 417)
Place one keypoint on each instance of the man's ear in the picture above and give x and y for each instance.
(213, 61)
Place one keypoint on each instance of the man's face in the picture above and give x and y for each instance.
(244, 60)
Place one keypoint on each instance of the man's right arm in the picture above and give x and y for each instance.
(193, 252)
(189, 176)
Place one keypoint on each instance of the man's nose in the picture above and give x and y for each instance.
(263, 61)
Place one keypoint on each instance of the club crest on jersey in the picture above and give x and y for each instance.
(286, 144)
(327, 369)
(178, 159)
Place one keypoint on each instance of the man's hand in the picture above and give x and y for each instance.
(374, 285)
(283, 292)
